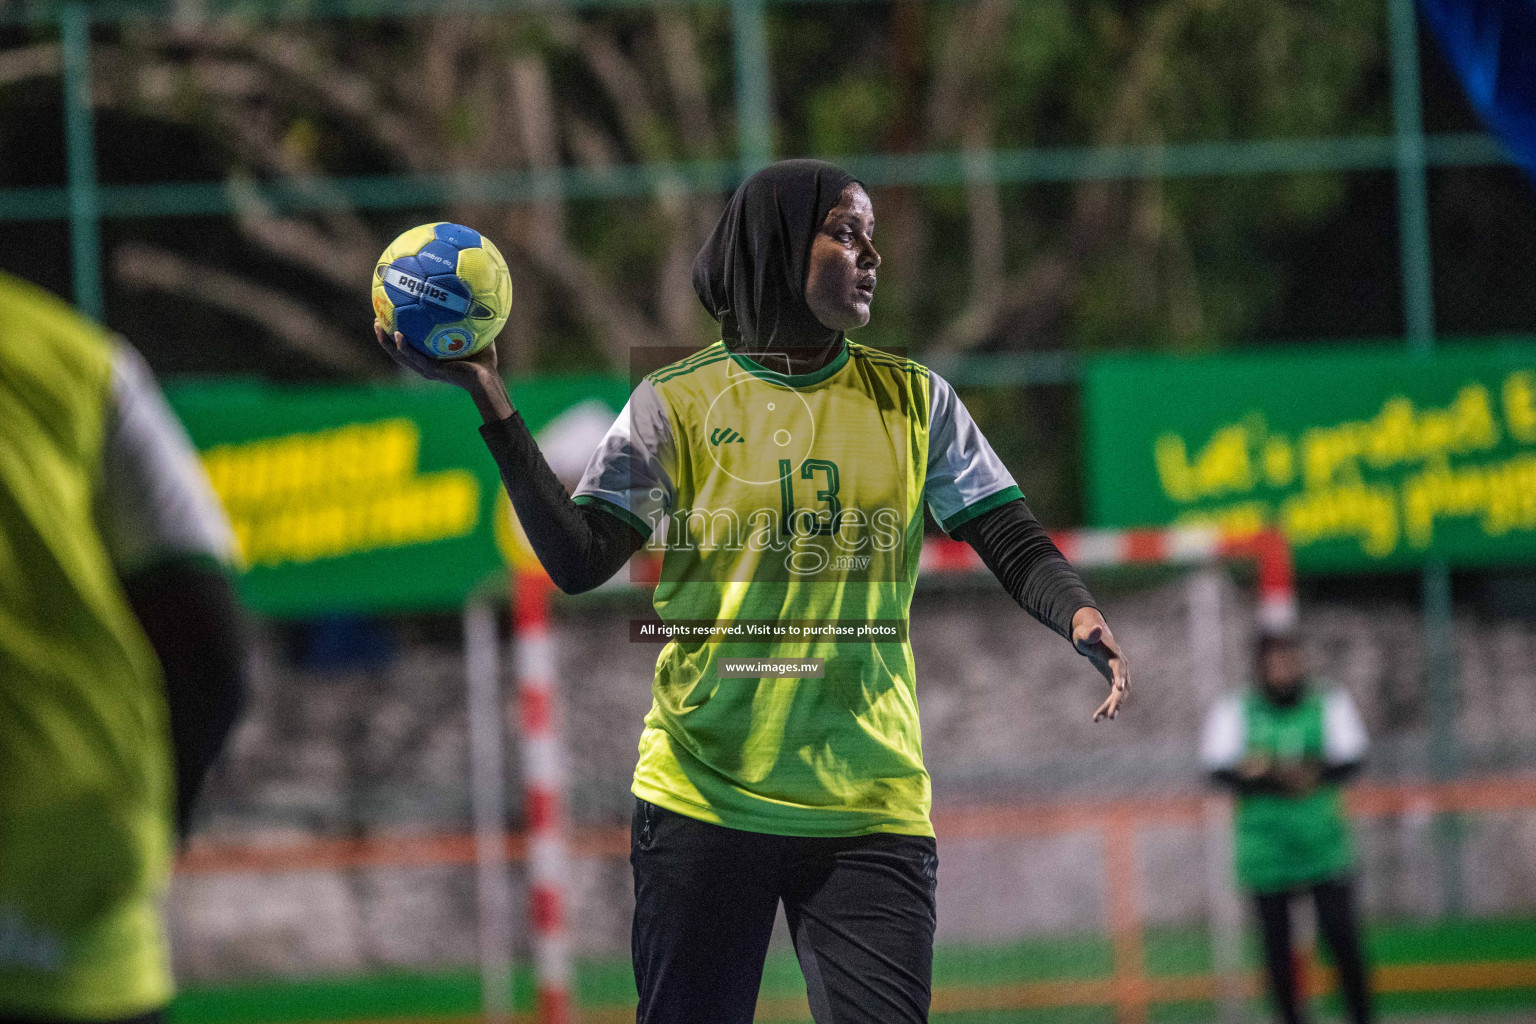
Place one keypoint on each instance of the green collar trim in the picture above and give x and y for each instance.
(792, 380)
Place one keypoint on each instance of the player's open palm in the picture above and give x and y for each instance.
(1094, 641)
(466, 373)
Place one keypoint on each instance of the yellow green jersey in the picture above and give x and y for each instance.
(793, 505)
(96, 482)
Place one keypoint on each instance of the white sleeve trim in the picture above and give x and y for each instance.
(962, 470)
(155, 501)
(633, 467)
(1225, 735)
(1344, 738)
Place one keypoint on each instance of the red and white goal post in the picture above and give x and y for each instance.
(1179, 546)
(539, 715)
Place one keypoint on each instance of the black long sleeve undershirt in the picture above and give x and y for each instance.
(193, 620)
(1013, 544)
(578, 545)
(1331, 775)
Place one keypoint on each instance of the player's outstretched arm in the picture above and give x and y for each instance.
(1013, 544)
(580, 547)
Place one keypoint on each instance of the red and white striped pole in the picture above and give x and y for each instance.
(1277, 580)
(543, 783)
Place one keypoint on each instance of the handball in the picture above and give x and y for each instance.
(445, 287)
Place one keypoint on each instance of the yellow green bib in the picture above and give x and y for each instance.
(85, 763)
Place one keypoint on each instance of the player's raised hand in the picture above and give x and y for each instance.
(464, 373)
(475, 374)
(1094, 641)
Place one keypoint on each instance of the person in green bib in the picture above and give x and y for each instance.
(1285, 747)
(122, 664)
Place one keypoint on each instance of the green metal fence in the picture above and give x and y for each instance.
(84, 203)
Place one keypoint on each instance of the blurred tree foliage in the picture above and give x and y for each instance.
(1146, 263)
(1174, 264)
(1099, 264)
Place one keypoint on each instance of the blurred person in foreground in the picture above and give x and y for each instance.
(1285, 747)
(806, 789)
(121, 664)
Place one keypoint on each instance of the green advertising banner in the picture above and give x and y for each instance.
(364, 498)
(1365, 458)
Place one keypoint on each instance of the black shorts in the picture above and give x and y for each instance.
(860, 909)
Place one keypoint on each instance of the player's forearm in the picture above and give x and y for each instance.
(489, 392)
(1013, 544)
(189, 611)
(1244, 784)
(1334, 774)
(580, 547)
(1228, 778)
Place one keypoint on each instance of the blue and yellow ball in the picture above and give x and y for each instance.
(445, 287)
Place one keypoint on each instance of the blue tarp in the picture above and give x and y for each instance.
(1492, 46)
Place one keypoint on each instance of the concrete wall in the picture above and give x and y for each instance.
(1006, 707)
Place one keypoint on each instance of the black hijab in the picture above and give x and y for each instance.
(751, 272)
